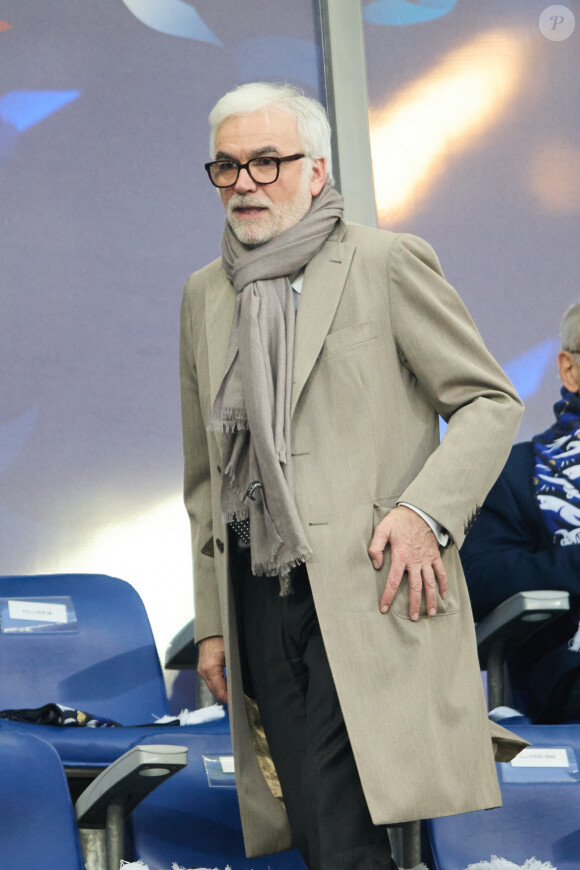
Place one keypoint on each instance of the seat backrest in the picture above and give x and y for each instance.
(83, 640)
(37, 821)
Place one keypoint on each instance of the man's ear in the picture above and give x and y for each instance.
(318, 175)
(569, 371)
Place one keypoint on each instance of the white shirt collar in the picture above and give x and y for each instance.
(298, 282)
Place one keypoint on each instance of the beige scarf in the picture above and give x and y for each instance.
(252, 406)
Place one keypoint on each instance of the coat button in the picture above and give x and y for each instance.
(219, 544)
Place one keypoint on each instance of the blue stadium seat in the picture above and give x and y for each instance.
(97, 655)
(85, 641)
(37, 820)
(540, 816)
(197, 812)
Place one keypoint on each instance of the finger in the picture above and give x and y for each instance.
(394, 578)
(375, 552)
(216, 683)
(220, 690)
(212, 672)
(441, 575)
(377, 547)
(430, 588)
(415, 590)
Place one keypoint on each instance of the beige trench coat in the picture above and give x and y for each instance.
(383, 345)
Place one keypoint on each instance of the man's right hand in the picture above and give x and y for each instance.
(211, 664)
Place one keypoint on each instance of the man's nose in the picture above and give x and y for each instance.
(245, 182)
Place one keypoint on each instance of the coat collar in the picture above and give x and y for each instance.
(324, 281)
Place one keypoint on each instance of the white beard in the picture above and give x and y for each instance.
(276, 217)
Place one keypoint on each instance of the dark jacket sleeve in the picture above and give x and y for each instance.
(509, 548)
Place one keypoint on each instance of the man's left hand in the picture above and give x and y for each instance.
(414, 549)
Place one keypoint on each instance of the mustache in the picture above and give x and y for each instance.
(246, 201)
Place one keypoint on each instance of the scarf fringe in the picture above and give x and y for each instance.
(286, 587)
(273, 567)
(232, 420)
(235, 516)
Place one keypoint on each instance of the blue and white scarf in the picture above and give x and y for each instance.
(557, 471)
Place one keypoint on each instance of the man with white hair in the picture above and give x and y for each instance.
(528, 537)
(316, 357)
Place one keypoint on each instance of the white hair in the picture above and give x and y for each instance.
(570, 328)
(313, 127)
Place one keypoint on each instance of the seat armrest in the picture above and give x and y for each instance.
(519, 617)
(508, 626)
(127, 781)
(109, 799)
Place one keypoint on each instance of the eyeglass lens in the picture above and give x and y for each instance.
(263, 170)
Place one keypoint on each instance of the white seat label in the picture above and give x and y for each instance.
(37, 611)
(227, 762)
(541, 756)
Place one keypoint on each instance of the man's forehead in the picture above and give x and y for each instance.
(273, 131)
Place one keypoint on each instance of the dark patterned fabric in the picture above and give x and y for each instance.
(557, 471)
(58, 714)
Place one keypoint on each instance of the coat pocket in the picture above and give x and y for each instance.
(348, 337)
(400, 605)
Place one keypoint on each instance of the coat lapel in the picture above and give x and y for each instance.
(324, 281)
(220, 305)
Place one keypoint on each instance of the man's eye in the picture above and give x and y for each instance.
(264, 162)
(226, 166)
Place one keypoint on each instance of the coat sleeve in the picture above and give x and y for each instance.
(197, 482)
(508, 550)
(440, 345)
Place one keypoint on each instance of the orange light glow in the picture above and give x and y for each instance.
(554, 174)
(441, 114)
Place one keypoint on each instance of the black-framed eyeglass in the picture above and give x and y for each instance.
(262, 170)
(574, 351)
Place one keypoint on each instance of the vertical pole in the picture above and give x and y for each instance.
(115, 836)
(347, 104)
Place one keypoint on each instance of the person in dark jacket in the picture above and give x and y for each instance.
(527, 537)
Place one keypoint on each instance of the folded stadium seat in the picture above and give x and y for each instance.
(37, 820)
(84, 641)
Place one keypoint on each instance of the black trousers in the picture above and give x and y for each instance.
(286, 670)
